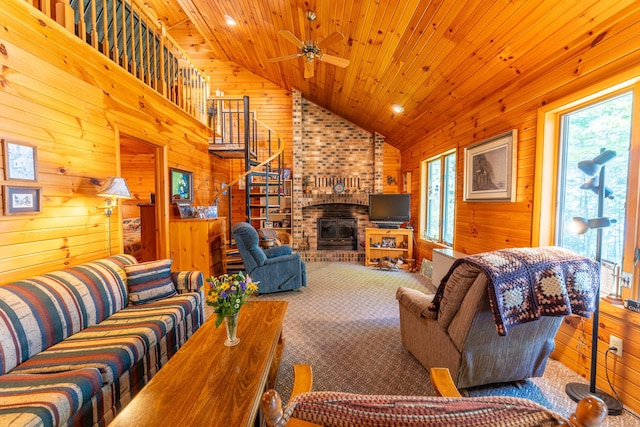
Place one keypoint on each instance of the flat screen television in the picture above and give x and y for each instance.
(390, 208)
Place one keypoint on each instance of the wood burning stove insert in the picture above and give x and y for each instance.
(337, 234)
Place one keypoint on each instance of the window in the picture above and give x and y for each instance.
(437, 204)
(584, 132)
(577, 129)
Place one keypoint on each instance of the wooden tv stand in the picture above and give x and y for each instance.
(391, 242)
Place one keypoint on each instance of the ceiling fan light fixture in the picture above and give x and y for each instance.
(397, 108)
(230, 21)
(310, 49)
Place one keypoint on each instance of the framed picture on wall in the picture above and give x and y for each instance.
(490, 169)
(20, 161)
(181, 186)
(22, 200)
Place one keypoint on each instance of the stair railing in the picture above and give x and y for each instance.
(129, 33)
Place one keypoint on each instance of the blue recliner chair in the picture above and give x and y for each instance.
(277, 269)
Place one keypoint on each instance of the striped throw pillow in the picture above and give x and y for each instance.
(149, 281)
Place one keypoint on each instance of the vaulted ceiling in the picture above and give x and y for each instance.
(434, 57)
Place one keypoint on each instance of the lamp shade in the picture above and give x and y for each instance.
(592, 167)
(580, 225)
(115, 187)
(592, 184)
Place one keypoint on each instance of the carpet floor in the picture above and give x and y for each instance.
(345, 324)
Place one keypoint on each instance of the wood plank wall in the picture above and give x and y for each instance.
(391, 178)
(482, 227)
(72, 103)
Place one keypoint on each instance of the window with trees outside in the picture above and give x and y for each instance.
(438, 197)
(575, 129)
(584, 132)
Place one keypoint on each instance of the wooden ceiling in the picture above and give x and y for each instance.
(434, 57)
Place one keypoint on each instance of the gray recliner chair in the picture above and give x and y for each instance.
(277, 269)
(457, 329)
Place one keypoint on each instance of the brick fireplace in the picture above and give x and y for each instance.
(330, 151)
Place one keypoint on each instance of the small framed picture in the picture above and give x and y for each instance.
(286, 173)
(22, 200)
(20, 161)
(268, 224)
(185, 210)
(388, 242)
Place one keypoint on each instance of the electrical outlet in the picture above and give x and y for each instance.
(617, 343)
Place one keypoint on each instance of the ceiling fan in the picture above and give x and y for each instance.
(310, 49)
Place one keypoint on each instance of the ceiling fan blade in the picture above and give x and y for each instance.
(334, 60)
(292, 38)
(331, 39)
(284, 58)
(309, 69)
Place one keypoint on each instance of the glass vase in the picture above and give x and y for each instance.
(231, 325)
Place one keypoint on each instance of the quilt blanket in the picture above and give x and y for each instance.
(526, 283)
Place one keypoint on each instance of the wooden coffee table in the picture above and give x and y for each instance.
(208, 384)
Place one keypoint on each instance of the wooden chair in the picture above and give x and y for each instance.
(590, 412)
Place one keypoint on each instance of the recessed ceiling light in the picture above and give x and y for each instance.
(230, 21)
(398, 108)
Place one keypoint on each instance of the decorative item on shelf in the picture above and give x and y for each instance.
(185, 210)
(306, 181)
(387, 264)
(389, 242)
(267, 242)
(227, 294)
(591, 168)
(114, 188)
(305, 246)
(211, 212)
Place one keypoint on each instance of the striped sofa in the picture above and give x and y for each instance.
(74, 351)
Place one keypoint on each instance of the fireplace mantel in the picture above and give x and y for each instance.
(307, 200)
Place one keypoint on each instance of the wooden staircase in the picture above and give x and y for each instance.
(237, 134)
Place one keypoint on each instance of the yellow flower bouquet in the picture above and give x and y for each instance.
(228, 292)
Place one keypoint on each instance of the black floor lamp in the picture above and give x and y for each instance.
(577, 391)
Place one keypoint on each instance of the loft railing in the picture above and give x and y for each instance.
(126, 32)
